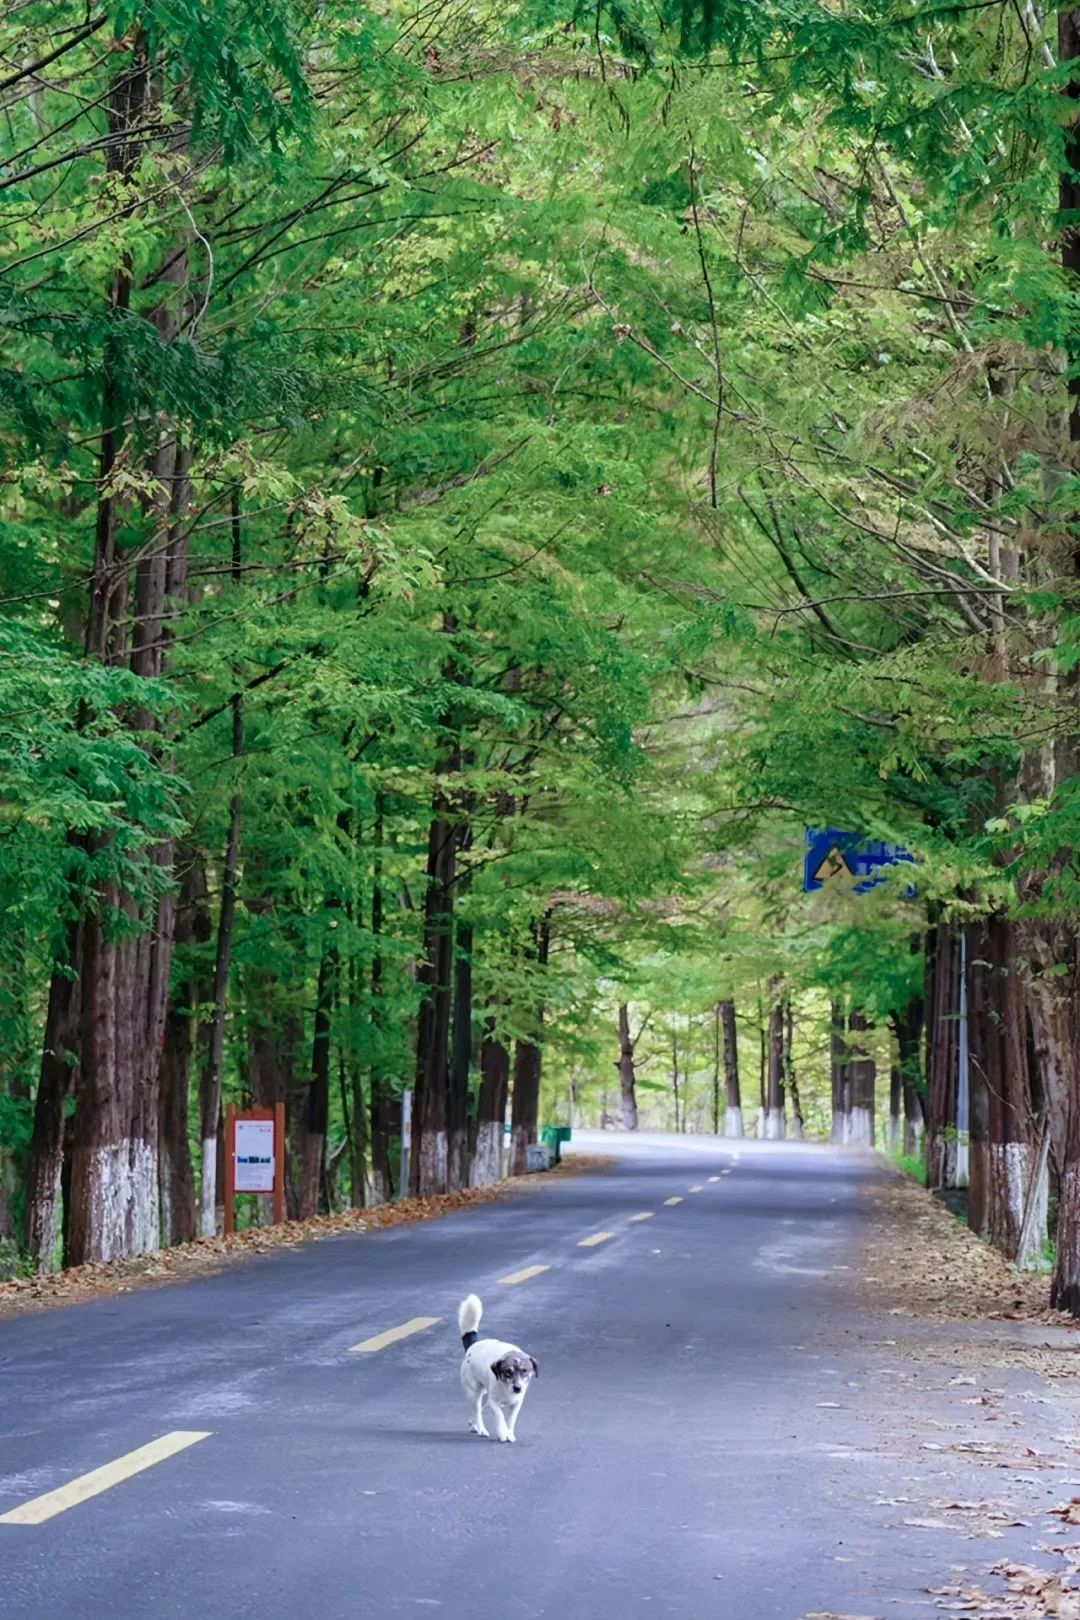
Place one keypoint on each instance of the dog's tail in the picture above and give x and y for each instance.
(468, 1320)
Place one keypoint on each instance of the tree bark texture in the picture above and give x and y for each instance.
(733, 1114)
(775, 1123)
(461, 1054)
(487, 1156)
(46, 1154)
(627, 1076)
(942, 1053)
(528, 1059)
(429, 1167)
(175, 1172)
(838, 1074)
(863, 1082)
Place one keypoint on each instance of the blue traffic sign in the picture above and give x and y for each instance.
(832, 855)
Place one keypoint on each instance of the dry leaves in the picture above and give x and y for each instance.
(206, 1255)
(1030, 1594)
(921, 1261)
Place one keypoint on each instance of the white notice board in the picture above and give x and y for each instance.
(254, 1155)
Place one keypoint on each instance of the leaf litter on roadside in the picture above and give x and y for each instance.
(1030, 1594)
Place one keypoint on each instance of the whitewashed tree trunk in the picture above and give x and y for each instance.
(1017, 1173)
(733, 1122)
(208, 1188)
(775, 1125)
(862, 1127)
(487, 1155)
(434, 1162)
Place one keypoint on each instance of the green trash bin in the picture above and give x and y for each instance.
(553, 1137)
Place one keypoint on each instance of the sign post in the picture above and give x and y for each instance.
(254, 1157)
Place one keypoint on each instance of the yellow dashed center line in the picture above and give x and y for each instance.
(597, 1237)
(523, 1276)
(103, 1479)
(646, 1215)
(714, 1178)
(698, 1188)
(392, 1335)
(670, 1201)
(725, 1172)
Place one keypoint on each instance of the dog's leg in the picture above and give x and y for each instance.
(501, 1430)
(477, 1424)
(512, 1425)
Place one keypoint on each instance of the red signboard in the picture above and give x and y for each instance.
(254, 1157)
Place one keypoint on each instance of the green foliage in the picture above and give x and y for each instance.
(632, 433)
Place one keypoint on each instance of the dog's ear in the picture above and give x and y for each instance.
(535, 1366)
(497, 1368)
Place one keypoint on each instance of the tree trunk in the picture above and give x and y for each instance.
(908, 1027)
(675, 1072)
(1016, 1180)
(790, 1078)
(837, 1071)
(981, 1020)
(733, 1114)
(863, 1079)
(1045, 948)
(528, 1057)
(429, 1165)
(491, 1109)
(524, 1117)
(385, 1108)
(896, 1103)
(176, 1176)
(942, 1055)
(775, 1120)
(717, 1041)
(1065, 1284)
(46, 1155)
(312, 1184)
(461, 1062)
(124, 990)
(124, 981)
(627, 1077)
(210, 1109)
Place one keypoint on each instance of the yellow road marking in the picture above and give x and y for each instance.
(597, 1237)
(697, 1189)
(714, 1178)
(646, 1215)
(670, 1201)
(725, 1172)
(523, 1276)
(102, 1479)
(392, 1335)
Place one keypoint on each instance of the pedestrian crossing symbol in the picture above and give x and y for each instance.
(833, 866)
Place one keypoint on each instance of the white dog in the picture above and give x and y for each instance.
(493, 1373)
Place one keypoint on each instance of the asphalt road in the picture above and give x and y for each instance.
(678, 1456)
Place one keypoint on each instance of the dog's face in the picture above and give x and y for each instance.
(515, 1373)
